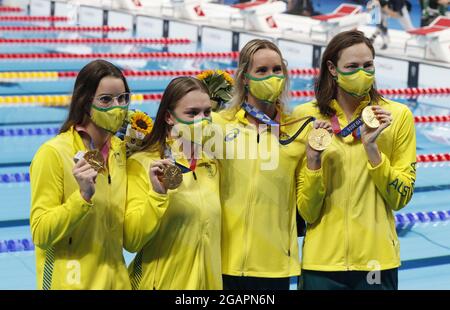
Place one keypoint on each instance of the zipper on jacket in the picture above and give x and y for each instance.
(347, 238)
(108, 168)
(108, 212)
(202, 220)
(156, 273)
(247, 214)
(155, 269)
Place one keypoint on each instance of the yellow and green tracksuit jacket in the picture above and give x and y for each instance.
(259, 194)
(353, 228)
(176, 235)
(78, 244)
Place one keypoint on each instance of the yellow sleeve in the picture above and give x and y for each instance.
(144, 209)
(52, 219)
(395, 177)
(310, 192)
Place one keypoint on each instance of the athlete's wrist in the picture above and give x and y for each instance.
(373, 154)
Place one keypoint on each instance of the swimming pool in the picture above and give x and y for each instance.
(425, 246)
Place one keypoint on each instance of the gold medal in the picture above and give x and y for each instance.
(369, 118)
(319, 139)
(172, 177)
(95, 159)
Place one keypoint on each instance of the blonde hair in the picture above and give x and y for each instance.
(245, 59)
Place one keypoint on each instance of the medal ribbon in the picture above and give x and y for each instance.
(263, 118)
(105, 149)
(168, 154)
(352, 128)
(193, 164)
(259, 115)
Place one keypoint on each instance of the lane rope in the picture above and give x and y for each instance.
(55, 75)
(402, 220)
(46, 131)
(63, 28)
(10, 9)
(135, 41)
(149, 55)
(63, 100)
(20, 18)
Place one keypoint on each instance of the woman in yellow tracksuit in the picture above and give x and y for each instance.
(351, 241)
(76, 212)
(262, 168)
(176, 233)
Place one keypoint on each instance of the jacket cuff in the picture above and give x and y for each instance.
(77, 202)
(157, 196)
(384, 160)
(312, 173)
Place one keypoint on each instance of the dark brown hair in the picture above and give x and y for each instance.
(326, 86)
(175, 91)
(85, 87)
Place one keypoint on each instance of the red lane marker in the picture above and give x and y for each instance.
(14, 18)
(432, 119)
(232, 55)
(10, 9)
(154, 73)
(426, 158)
(63, 28)
(163, 41)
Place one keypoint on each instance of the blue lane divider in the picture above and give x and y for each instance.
(36, 123)
(19, 245)
(432, 188)
(15, 165)
(407, 219)
(401, 219)
(15, 223)
(22, 132)
(15, 177)
(425, 262)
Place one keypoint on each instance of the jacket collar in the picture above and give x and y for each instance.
(179, 155)
(340, 112)
(115, 144)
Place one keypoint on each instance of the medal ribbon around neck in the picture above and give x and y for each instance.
(263, 118)
(184, 169)
(353, 128)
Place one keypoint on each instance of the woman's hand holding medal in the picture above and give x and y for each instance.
(85, 176)
(318, 140)
(375, 121)
(164, 175)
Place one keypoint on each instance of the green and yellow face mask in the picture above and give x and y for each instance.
(198, 131)
(110, 119)
(357, 83)
(268, 88)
